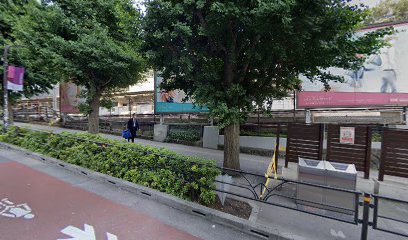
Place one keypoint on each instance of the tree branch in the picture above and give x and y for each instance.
(246, 64)
(107, 82)
(204, 23)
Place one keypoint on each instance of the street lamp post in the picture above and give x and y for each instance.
(6, 113)
(5, 91)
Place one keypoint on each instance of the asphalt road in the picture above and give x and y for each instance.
(40, 201)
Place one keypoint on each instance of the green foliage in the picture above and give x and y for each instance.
(84, 108)
(188, 136)
(262, 133)
(376, 137)
(107, 103)
(37, 78)
(186, 133)
(185, 177)
(94, 44)
(234, 55)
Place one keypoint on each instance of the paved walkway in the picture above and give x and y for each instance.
(42, 201)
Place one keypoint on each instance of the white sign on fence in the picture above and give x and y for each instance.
(347, 135)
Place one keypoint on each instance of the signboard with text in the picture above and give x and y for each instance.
(172, 101)
(347, 135)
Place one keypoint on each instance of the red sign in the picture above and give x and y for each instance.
(349, 99)
(347, 135)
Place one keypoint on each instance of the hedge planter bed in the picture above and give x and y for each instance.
(189, 178)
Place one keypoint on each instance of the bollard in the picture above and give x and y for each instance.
(366, 216)
(376, 186)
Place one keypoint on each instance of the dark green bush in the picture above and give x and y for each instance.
(185, 177)
(184, 136)
(188, 133)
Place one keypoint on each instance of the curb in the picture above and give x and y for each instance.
(246, 226)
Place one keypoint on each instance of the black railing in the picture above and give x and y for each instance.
(378, 200)
(257, 190)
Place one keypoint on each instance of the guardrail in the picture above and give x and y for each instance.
(379, 216)
(259, 191)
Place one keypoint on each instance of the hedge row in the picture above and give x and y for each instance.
(189, 133)
(189, 178)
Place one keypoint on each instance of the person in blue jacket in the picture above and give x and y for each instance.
(133, 127)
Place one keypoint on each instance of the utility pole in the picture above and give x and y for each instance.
(5, 91)
(6, 114)
(294, 106)
(130, 107)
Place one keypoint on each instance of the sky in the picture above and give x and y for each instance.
(370, 3)
(139, 4)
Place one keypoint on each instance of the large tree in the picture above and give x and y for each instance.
(94, 44)
(233, 55)
(37, 79)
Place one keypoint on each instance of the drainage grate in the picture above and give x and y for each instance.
(199, 213)
(146, 193)
(260, 234)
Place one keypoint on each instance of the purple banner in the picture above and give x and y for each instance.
(15, 77)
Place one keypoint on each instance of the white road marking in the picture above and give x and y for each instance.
(87, 234)
(110, 236)
(338, 234)
(78, 234)
(11, 210)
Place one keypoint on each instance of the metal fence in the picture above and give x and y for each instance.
(280, 193)
(304, 140)
(380, 218)
(394, 153)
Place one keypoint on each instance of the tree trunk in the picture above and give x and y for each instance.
(231, 146)
(93, 119)
(11, 114)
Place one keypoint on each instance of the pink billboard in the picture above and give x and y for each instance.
(381, 81)
(350, 99)
(69, 97)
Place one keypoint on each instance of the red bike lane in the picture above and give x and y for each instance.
(34, 205)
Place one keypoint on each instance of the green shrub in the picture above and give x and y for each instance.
(188, 133)
(184, 136)
(189, 178)
(376, 137)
